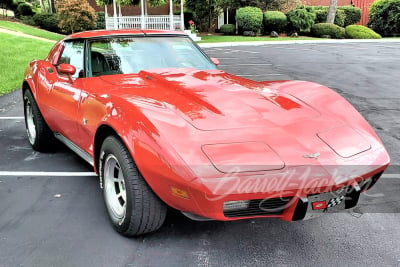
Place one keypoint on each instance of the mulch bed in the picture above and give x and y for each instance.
(8, 18)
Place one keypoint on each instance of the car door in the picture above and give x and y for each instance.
(61, 98)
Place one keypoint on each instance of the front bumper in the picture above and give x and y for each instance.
(290, 204)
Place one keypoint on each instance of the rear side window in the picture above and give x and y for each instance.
(73, 54)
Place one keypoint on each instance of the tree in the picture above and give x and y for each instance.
(75, 15)
(204, 12)
(6, 4)
(332, 11)
(283, 5)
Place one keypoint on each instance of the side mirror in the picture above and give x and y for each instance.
(215, 61)
(66, 69)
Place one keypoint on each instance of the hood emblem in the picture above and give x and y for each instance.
(312, 156)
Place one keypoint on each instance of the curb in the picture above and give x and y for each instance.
(328, 41)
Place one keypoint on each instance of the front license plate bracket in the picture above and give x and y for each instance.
(316, 205)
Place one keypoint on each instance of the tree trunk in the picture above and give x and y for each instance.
(52, 8)
(42, 5)
(332, 11)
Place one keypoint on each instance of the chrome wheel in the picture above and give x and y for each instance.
(132, 206)
(30, 121)
(114, 189)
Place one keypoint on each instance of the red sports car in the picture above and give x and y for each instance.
(162, 126)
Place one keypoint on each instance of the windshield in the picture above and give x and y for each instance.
(124, 55)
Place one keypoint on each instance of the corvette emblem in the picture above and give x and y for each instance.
(312, 156)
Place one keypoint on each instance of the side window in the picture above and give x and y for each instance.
(103, 59)
(73, 54)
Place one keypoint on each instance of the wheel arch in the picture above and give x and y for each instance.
(28, 85)
(101, 134)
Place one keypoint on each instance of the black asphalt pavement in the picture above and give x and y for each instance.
(52, 211)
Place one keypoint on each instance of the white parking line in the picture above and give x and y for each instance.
(391, 176)
(58, 174)
(245, 64)
(11, 118)
(258, 75)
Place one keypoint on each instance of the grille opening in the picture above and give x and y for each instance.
(257, 207)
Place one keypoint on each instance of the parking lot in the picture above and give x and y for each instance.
(52, 211)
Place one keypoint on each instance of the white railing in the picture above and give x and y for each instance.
(160, 22)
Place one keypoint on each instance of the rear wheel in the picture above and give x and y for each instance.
(39, 134)
(132, 206)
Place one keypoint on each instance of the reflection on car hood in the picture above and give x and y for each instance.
(213, 100)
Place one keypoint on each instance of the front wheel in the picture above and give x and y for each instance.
(39, 134)
(132, 206)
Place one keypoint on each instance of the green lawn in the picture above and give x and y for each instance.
(19, 27)
(16, 53)
(227, 38)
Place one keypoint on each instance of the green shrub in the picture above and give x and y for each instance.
(28, 20)
(24, 9)
(352, 15)
(274, 21)
(249, 19)
(47, 21)
(361, 32)
(227, 29)
(328, 29)
(321, 13)
(100, 21)
(301, 19)
(384, 17)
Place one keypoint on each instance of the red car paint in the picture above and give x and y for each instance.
(216, 136)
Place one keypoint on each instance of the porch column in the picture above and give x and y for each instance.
(171, 16)
(142, 14)
(182, 17)
(115, 15)
(119, 10)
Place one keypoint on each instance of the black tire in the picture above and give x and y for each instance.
(39, 134)
(139, 210)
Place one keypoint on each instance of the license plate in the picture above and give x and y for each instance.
(328, 202)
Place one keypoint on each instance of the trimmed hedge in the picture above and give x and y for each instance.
(361, 32)
(345, 15)
(301, 19)
(274, 21)
(352, 15)
(249, 19)
(28, 20)
(24, 9)
(384, 17)
(321, 15)
(47, 21)
(227, 29)
(328, 29)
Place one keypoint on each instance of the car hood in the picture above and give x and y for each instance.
(216, 100)
(243, 126)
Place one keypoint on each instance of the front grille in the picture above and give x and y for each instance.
(259, 207)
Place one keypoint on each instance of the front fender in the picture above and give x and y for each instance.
(29, 77)
(326, 101)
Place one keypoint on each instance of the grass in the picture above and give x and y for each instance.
(228, 38)
(19, 27)
(17, 52)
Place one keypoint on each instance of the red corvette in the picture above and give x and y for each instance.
(162, 126)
